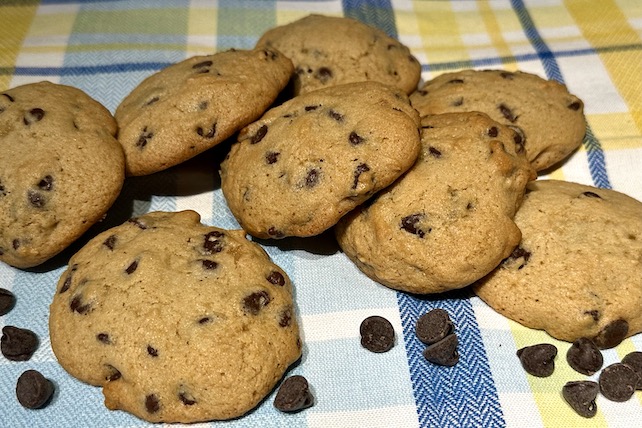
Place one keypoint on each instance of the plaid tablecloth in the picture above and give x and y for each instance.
(107, 47)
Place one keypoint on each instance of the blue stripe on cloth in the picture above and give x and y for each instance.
(444, 396)
(595, 153)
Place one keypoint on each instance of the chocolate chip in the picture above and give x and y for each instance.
(591, 195)
(256, 301)
(634, 360)
(212, 243)
(67, 283)
(76, 305)
(409, 224)
(433, 326)
(434, 152)
(152, 404)
(310, 108)
(507, 113)
(285, 318)
(104, 338)
(323, 74)
(377, 334)
(260, 133)
(584, 357)
(335, 115)
(207, 133)
(274, 232)
(46, 183)
(186, 398)
(519, 255)
(493, 132)
(457, 102)
(618, 382)
(538, 360)
(612, 334)
(36, 199)
(594, 313)
(294, 395)
(444, 352)
(581, 395)
(152, 351)
(209, 264)
(3, 190)
(271, 157)
(361, 168)
(203, 105)
(144, 138)
(202, 64)
(33, 390)
(205, 320)
(138, 222)
(113, 374)
(110, 242)
(132, 267)
(33, 115)
(276, 278)
(355, 139)
(519, 138)
(18, 344)
(15, 244)
(312, 178)
(576, 105)
(7, 301)
(152, 101)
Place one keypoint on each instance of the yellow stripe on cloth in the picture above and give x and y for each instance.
(20, 16)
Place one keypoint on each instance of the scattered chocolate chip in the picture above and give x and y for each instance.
(434, 152)
(152, 404)
(323, 74)
(256, 301)
(33, 390)
(132, 267)
(76, 305)
(113, 374)
(493, 132)
(110, 242)
(33, 115)
(507, 113)
(271, 157)
(433, 326)
(584, 357)
(355, 139)
(312, 178)
(260, 133)
(591, 195)
(144, 138)
(276, 278)
(293, 395)
(377, 334)
(444, 352)
(576, 105)
(7, 301)
(209, 264)
(46, 183)
(36, 199)
(152, 351)
(634, 360)
(18, 344)
(361, 168)
(207, 133)
(335, 115)
(202, 64)
(618, 382)
(538, 360)
(612, 334)
(285, 318)
(186, 398)
(212, 243)
(581, 395)
(409, 224)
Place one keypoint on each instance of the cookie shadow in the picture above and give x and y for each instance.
(323, 244)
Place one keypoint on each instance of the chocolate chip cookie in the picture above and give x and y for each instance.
(448, 221)
(177, 321)
(576, 272)
(61, 169)
(195, 104)
(547, 117)
(311, 160)
(329, 50)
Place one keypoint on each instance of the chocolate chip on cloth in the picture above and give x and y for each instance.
(61, 169)
(549, 120)
(584, 356)
(464, 188)
(33, 390)
(377, 334)
(294, 395)
(308, 162)
(18, 344)
(317, 46)
(538, 360)
(591, 235)
(433, 326)
(443, 352)
(175, 320)
(7, 301)
(195, 104)
(618, 382)
(581, 395)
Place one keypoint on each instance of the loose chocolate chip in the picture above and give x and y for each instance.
(612, 334)
(312, 178)
(202, 64)
(355, 139)
(144, 138)
(433, 326)
(104, 338)
(409, 224)
(538, 360)
(76, 305)
(335, 115)
(584, 357)
(377, 334)
(581, 395)
(457, 102)
(434, 152)
(294, 395)
(444, 352)
(132, 267)
(271, 157)
(113, 374)
(152, 404)
(33, 390)
(256, 301)
(212, 243)
(618, 382)
(46, 183)
(18, 344)
(209, 264)
(260, 133)
(36, 199)
(207, 133)
(110, 242)
(276, 278)
(507, 113)
(186, 398)
(323, 74)
(152, 351)
(285, 318)
(33, 115)
(361, 168)
(7, 301)
(576, 105)
(493, 132)
(138, 222)
(591, 195)
(634, 360)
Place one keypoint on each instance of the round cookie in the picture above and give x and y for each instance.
(61, 169)
(448, 221)
(195, 104)
(308, 162)
(577, 271)
(550, 119)
(177, 321)
(328, 51)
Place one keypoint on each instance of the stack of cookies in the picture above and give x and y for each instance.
(427, 189)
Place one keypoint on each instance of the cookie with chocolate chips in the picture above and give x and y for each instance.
(549, 120)
(448, 221)
(576, 271)
(331, 50)
(61, 169)
(309, 161)
(195, 104)
(175, 320)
